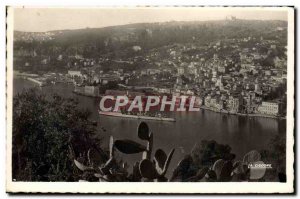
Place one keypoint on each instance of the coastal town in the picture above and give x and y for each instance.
(245, 76)
(151, 94)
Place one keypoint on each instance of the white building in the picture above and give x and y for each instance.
(74, 73)
(207, 100)
(180, 71)
(221, 69)
(233, 104)
(268, 108)
(164, 90)
(198, 102)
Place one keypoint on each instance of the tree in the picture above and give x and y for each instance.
(276, 156)
(45, 129)
(209, 151)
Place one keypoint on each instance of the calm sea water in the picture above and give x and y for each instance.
(241, 133)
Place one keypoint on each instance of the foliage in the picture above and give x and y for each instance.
(144, 170)
(209, 151)
(108, 86)
(45, 129)
(50, 134)
(211, 162)
(276, 155)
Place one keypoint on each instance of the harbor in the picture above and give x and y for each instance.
(135, 95)
(93, 91)
(239, 132)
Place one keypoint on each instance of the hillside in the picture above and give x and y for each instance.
(94, 42)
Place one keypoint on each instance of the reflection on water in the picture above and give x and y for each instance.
(241, 133)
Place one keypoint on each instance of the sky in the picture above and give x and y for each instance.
(47, 19)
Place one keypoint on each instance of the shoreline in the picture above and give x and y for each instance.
(242, 114)
(39, 83)
(201, 107)
(210, 109)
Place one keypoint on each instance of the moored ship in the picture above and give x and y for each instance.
(158, 117)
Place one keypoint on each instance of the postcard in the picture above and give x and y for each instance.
(150, 100)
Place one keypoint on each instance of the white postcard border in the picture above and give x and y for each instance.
(157, 187)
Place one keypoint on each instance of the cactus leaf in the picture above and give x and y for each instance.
(211, 176)
(257, 172)
(182, 166)
(160, 158)
(136, 174)
(200, 174)
(107, 166)
(105, 178)
(241, 177)
(230, 156)
(125, 165)
(111, 147)
(161, 179)
(129, 146)
(217, 167)
(89, 157)
(148, 170)
(98, 175)
(143, 131)
(226, 170)
(147, 153)
(109, 163)
(252, 156)
(82, 167)
(94, 157)
(238, 167)
(167, 163)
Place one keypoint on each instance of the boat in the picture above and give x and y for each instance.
(143, 117)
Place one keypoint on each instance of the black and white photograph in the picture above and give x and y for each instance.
(160, 99)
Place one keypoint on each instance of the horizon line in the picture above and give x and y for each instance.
(209, 20)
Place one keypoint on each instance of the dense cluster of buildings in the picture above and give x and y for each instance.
(238, 76)
(235, 82)
(34, 36)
